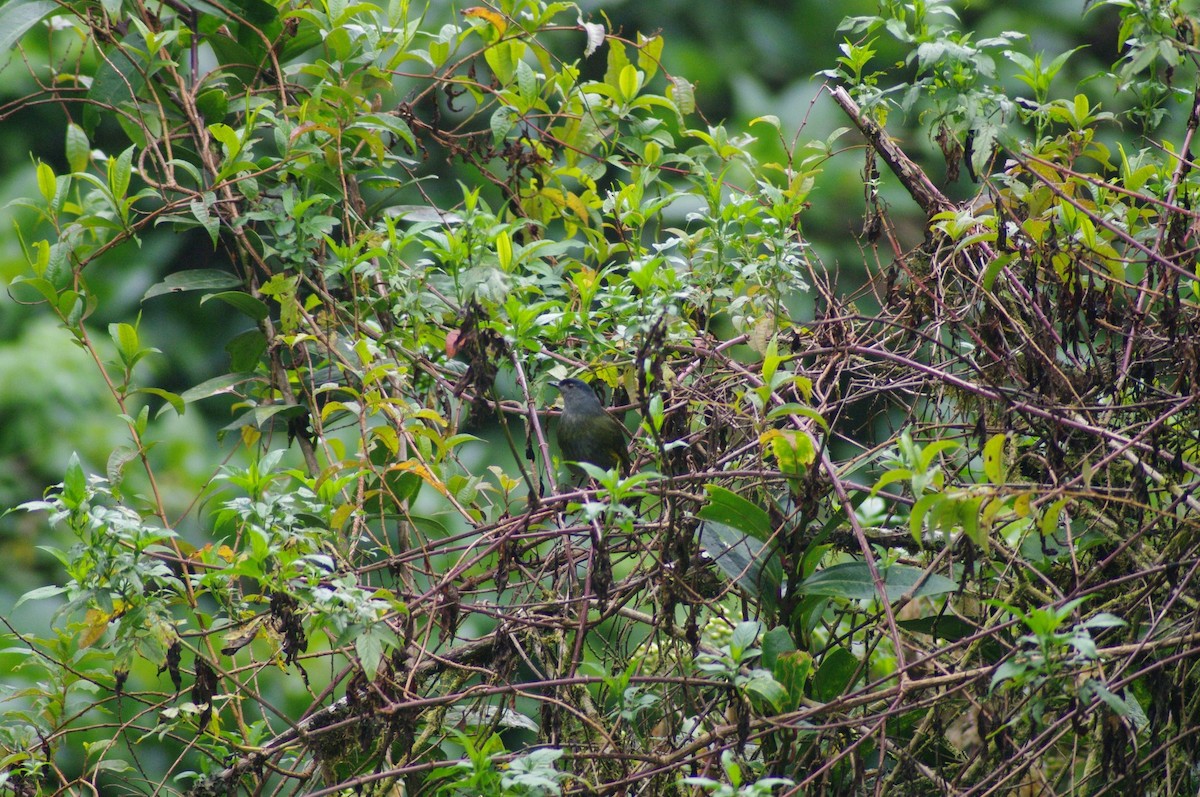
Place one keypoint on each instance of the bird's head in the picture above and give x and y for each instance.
(577, 395)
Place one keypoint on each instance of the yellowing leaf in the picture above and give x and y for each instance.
(577, 206)
(412, 466)
(994, 465)
(95, 624)
(496, 20)
(341, 515)
(793, 450)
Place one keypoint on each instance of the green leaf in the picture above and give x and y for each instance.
(216, 386)
(213, 105)
(852, 580)
(762, 683)
(401, 486)
(729, 508)
(1048, 524)
(792, 671)
(47, 184)
(891, 476)
(256, 12)
(916, 517)
(947, 627)
(119, 81)
(74, 484)
(126, 338)
(369, 647)
(502, 58)
(120, 170)
(503, 121)
(32, 290)
(683, 94)
(994, 267)
(114, 469)
(246, 349)
(743, 637)
(994, 465)
(776, 642)
(629, 82)
(649, 53)
(255, 308)
(174, 400)
(41, 593)
(769, 119)
(197, 279)
(835, 674)
(18, 16)
(202, 210)
(261, 417)
(526, 81)
(742, 558)
(78, 148)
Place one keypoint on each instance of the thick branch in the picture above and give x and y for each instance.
(919, 186)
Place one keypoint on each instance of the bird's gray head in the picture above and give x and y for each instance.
(577, 395)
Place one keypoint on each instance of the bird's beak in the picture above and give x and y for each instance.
(554, 384)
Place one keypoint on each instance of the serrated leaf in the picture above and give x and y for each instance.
(120, 457)
(526, 80)
(683, 94)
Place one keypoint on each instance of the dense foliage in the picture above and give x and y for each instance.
(934, 534)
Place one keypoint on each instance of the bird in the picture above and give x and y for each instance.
(586, 432)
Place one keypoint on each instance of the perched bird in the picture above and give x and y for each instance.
(586, 432)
